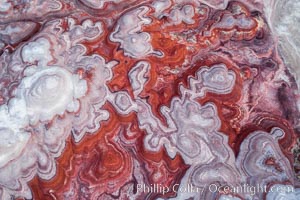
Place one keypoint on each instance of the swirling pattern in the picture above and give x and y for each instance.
(154, 99)
(50, 92)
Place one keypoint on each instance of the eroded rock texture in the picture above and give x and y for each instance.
(154, 99)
